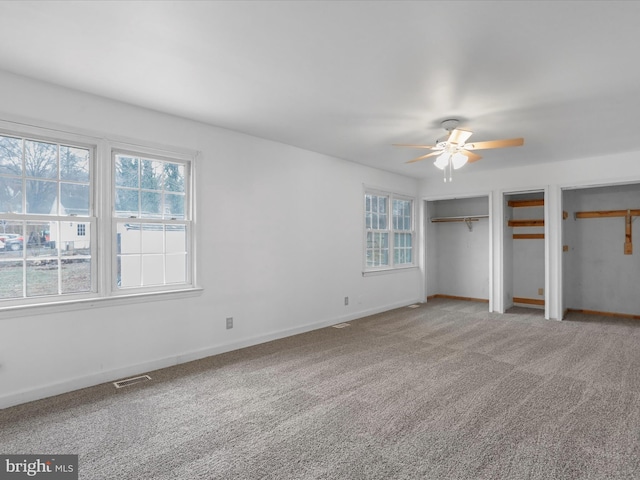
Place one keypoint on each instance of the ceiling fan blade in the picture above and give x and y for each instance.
(472, 157)
(413, 146)
(432, 154)
(459, 136)
(512, 142)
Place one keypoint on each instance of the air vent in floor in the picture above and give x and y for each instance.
(415, 305)
(131, 381)
(341, 325)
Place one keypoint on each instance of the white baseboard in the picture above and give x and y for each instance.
(38, 393)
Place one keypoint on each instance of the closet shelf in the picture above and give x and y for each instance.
(528, 236)
(607, 213)
(526, 203)
(527, 223)
(628, 220)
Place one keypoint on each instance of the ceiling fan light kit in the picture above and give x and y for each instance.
(453, 152)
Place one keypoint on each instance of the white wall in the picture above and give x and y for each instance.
(279, 242)
(460, 257)
(551, 177)
(598, 276)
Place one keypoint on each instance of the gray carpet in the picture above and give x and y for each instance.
(444, 391)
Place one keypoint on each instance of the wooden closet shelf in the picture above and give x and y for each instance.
(527, 223)
(526, 203)
(608, 213)
(528, 236)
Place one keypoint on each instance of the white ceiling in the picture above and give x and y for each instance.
(350, 78)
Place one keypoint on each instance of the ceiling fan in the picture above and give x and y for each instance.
(453, 152)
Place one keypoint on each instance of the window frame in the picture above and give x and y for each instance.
(101, 215)
(389, 230)
(187, 221)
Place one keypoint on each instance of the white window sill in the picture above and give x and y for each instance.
(387, 271)
(96, 302)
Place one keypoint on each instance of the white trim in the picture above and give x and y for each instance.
(547, 278)
(85, 381)
(386, 271)
(561, 188)
(84, 303)
(435, 198)
(415, 239)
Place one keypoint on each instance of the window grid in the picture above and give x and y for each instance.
(388, 232)
(53, 204)
(43, 185)
(151, 223)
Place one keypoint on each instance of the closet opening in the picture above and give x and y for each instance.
(601, 251)
(457, 242)
(524, 251)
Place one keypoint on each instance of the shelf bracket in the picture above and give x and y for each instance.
(469, 224)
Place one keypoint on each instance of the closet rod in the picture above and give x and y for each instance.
(462, 218)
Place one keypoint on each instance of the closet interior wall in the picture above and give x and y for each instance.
(458, 250)
(597, 274)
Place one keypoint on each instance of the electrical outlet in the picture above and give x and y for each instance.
(346, 300)
(541, 291)
(229, 322)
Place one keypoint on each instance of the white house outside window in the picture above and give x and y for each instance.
(389, 230)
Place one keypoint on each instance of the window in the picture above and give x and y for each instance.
(389, 231)
(151, 221)
(56, 194)
(43, 184)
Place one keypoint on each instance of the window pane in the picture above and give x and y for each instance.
(41, 197)
(128, 238)
(176, 268)
(41, 279)
(174, 206)
(36, 239)
(127, 171)
(74, 164)
(12, 238)
(151, 175)
(72, 244)
(10, 156)
(40, 159)
(10, 195)
(74, 198)
(152, 238)
(176, 239)
(174, 177)
(151, 204)
(129, 271)
(76, 275)
(11, 279)
(153, 269)
(127, 203)
(402, 214)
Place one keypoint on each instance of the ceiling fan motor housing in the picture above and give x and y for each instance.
(450, 124)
